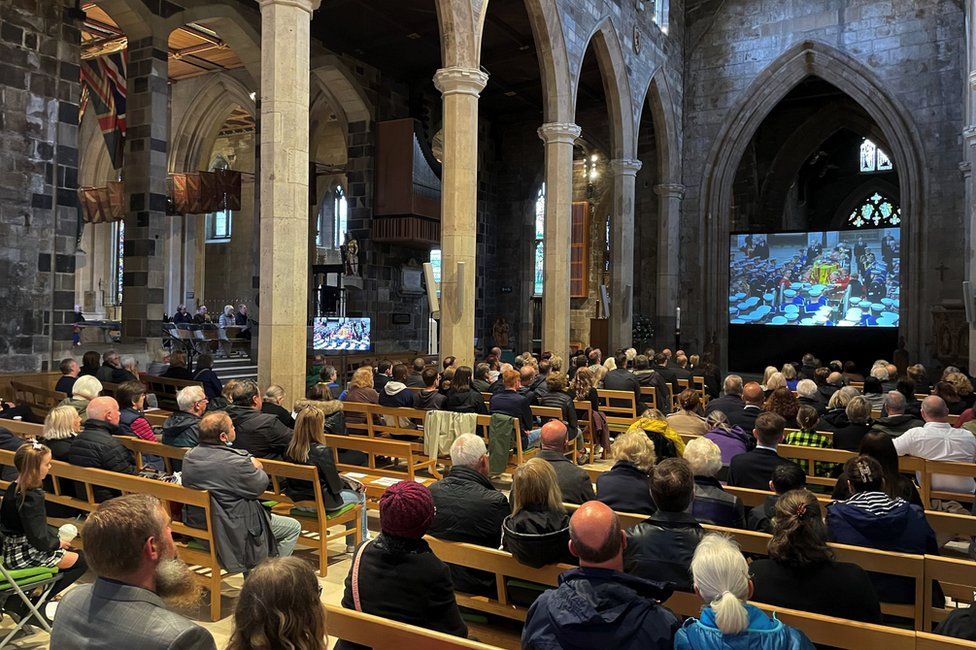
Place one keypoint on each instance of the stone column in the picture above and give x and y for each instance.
(459, 208)
(559, 138)
(622, 280)
(283, 314)
(969, 159)
(144, 170)
(668, 272)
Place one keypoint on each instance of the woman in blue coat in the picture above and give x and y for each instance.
(721, 578)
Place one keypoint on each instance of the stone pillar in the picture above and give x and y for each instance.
(622, 280)
(144, 170)
(559, 138)
(668, 274)
(283, 314)
(969, 159)
(459, 208)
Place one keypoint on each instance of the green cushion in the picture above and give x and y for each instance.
(28, 577)
(341, 511)
(269, 503)
(198, 544)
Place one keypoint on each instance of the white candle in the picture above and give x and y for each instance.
(677, 325)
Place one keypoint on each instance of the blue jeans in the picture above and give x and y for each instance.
(532, 438)
(351, 496)
(286, 530)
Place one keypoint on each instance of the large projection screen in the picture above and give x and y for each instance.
(846, 278)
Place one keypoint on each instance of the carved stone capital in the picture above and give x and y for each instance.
(969, 133)
(670, 190)
(460, 81)
(625, 167)
(966, 168)
(307, 5)
(559, 132)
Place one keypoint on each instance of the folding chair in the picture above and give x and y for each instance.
(20, 581)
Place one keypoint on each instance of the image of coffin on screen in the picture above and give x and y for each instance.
(847, 278)
(341, 334)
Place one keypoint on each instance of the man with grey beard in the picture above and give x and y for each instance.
(129, 545)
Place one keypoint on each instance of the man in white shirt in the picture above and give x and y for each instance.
(938, 440)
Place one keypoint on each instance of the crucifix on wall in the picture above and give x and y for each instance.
(942, 268)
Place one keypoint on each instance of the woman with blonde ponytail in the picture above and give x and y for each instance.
(721, 578)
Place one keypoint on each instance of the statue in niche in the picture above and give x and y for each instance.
(500, 332)
(350, 256)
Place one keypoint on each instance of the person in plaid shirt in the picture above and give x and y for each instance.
(808, 419)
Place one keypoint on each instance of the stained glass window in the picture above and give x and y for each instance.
(877, 211)
(340, 210)
(540, 233)
(873, 159)
(118, 258)
(435, 263)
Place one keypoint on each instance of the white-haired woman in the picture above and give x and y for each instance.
(721, 579)
(712, 504)
(86, 389)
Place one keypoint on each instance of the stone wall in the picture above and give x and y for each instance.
(914, 47)
(39, 93)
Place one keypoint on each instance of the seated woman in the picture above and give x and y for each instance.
(131, 397)
(86, 388)
(775, 381)
(537, 531)
(881, 448)
(271, 403)
(688, 418)
(789, 373)
(90, 363)
(280, 606)
(964, 388)
(627, 486)
(872, 518)
(205, 374)
(308, 448)
(396, 575)
(667, 442)
(801, 572)
(835, 416)
(783, 402)
(712, 504)
(807, 418)
(61, 425)
(559, 397)
(360, 390)
(732, 440)
(178, 367)
(28, 542)
(721, 578)
(859, 422)
(319, 396)
(950, 396)
(873, 392)
(462, 398)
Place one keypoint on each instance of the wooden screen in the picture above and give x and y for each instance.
(579, 257)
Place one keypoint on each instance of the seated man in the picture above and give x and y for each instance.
(808, 395)
(597, 605)
(395, 392)
(97, 447)
(752, 398)
(261, 434)
(574, 483)
(430, 398)
(129, 546)
(731, 401)
(897, 421)
(786, 477)
(939, 440)
(624, 380)
(510, 402)
(415, 378)
(753, 469)
(69, 372)
(646, 376)
(244, 532)
(182, 429)
(661, 546)
(532, 383)
(469, 509)
(480, 382)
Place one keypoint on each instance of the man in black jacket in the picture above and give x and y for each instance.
(661, 546)
(754, 469)
(415, 378)
(510, 402)
(752, 399)
(786, 477)
(262, 434)
(646, 376)
(664, 367)
(533, 384)
(96, 447)
(574, 482)
(731, 401)
(624, 380)
(469, 509)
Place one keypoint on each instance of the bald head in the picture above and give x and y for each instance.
(892, 371)
(934, 409)
(595, 536)
(752, 393)
(835, 379)
(554, 435)
(105, 409)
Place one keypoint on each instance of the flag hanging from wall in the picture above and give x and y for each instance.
(103, 85)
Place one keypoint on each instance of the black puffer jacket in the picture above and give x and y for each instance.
(563, 402)
(321, 457)
(537, 537)
(181, 430)
(261, 434)
(661, 548)
(95, 447)
(471, 510)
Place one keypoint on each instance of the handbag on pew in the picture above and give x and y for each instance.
(350, 483)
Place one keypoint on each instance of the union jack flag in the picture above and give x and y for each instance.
(103, 85)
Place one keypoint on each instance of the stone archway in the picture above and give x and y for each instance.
(227, 19)
(806, 59)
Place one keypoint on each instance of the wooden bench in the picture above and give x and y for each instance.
(40, 400)
(546, 413)
(651, 391)
(204, 562)
(375, 447)
(519, 454)
(926, 641)
(165, 389)
(943, 468)
(384, 634)
(957, 579)
(619, 403)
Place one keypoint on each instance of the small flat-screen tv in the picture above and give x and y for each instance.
(341, 334)
(847, 278)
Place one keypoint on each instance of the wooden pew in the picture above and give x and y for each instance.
(584, 420)
(619, 403)
(205, 564)
(375, 447)
(546, 413)
(384, 634)
(926, 641)
(46, 380)
(377, 485)
(843, 633)
(40, 400)
(651, 391)
(165, 389)
(23, 429)
(958, 580)
(944, 468)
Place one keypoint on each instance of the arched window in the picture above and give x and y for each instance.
(540, 233)
(218, 223)
(877, 211)
(340, 215)
(661, 14)
(873, 159)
